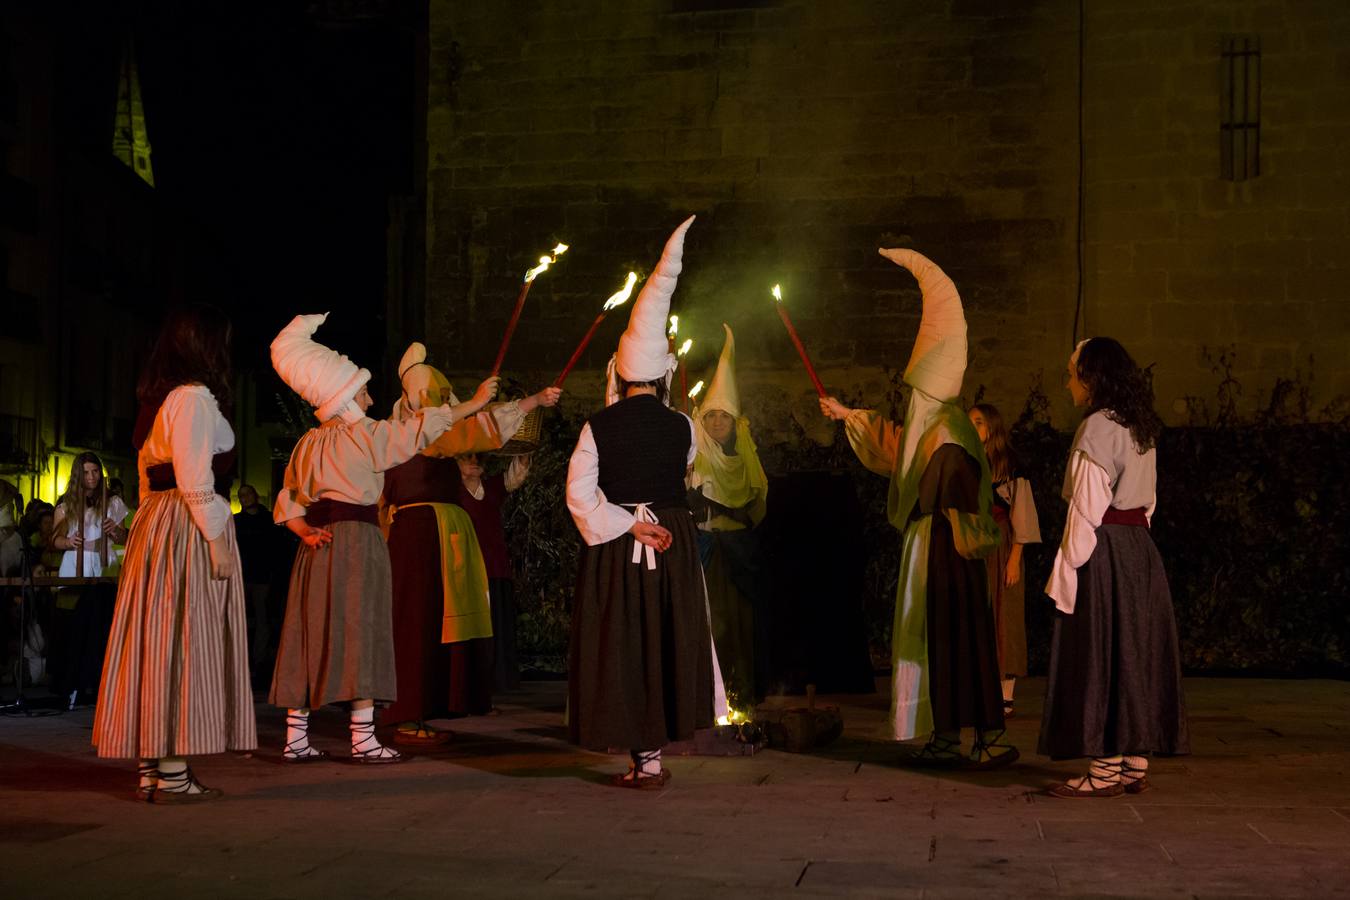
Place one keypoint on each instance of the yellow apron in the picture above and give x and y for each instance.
(464, 581)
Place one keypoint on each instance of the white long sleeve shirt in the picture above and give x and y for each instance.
(188, 431)
(1105, 470)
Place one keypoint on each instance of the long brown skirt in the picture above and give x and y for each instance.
(337, 639)
(1009, 604)
(640, 669)
(175, 676)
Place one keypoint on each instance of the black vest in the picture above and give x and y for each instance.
(644, 451)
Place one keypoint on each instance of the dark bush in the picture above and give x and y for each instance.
(1253, 524)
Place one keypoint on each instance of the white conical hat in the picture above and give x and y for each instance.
(422, 382)
(325, 378)
(644, 349)
(938, 362)
(722, 393)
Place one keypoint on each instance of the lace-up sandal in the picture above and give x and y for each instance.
(991, 751)
(1102, 780)
(367, 749)
(941, 752)
(1133, 777)
(298, 749)
(637, 779)
(182, 787)
(148, 773)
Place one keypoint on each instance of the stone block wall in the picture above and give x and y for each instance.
(1180, 259)
(805, 135)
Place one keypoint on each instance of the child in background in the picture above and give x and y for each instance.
(1014, 510)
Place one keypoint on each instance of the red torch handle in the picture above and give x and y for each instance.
(806, 360)
(684, 385)
(576, 354)
(511, 327)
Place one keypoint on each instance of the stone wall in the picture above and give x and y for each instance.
(805, 135)
(1179, 259)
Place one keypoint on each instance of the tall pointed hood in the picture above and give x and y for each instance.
(938, 362)
(326, 379)
(422, 382)
(644, 350)
(722, 393)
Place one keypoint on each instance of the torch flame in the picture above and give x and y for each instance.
(621, 297)
(684, 348)
(674, 326)
(694, 392)
(777, 293)
(733, 716)
(545, 262)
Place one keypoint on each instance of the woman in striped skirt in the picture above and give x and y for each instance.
(175, 677)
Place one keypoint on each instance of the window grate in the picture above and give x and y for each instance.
(1240, 109)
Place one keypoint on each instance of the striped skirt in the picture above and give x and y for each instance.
(175, 677)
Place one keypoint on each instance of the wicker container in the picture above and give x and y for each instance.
(527, 437)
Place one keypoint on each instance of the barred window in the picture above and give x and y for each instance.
(1240, 109)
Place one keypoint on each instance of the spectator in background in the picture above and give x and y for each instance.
(256, 533)
(39, 521)
(87, 526)
(11, 499)
(11, 544)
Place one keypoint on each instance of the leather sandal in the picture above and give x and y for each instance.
(372, 756)
(296, 754)
(939, 753)
(636, 779)
(1134, 779)
(147, 770)
(982, 756)
(1101, 785)
(184, 794)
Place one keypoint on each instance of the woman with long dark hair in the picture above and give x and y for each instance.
(175, 678)
(86, 528)
(1014, 510)
(1114, 693)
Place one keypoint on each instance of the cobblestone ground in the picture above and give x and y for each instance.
(1262, 809)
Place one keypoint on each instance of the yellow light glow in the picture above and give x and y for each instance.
(674, 326)
(733, 717)
(545, 262)
(695, 390)
(684, 348)
(620, 297)
(777, 293)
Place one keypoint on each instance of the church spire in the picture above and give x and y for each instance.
(131, 142)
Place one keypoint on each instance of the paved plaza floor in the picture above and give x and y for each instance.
(508, 809)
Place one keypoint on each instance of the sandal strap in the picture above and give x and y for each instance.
(366, 730)
(941, 747)
(1105, 772)
(182, 782)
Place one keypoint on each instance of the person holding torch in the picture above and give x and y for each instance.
(944, 652)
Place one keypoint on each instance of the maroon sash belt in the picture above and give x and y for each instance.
(326, 512)
(1134, 516)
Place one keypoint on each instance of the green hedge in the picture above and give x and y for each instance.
(1253, 524)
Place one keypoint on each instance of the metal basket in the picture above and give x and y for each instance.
(527, 437)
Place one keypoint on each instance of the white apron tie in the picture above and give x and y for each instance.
(643, 513)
